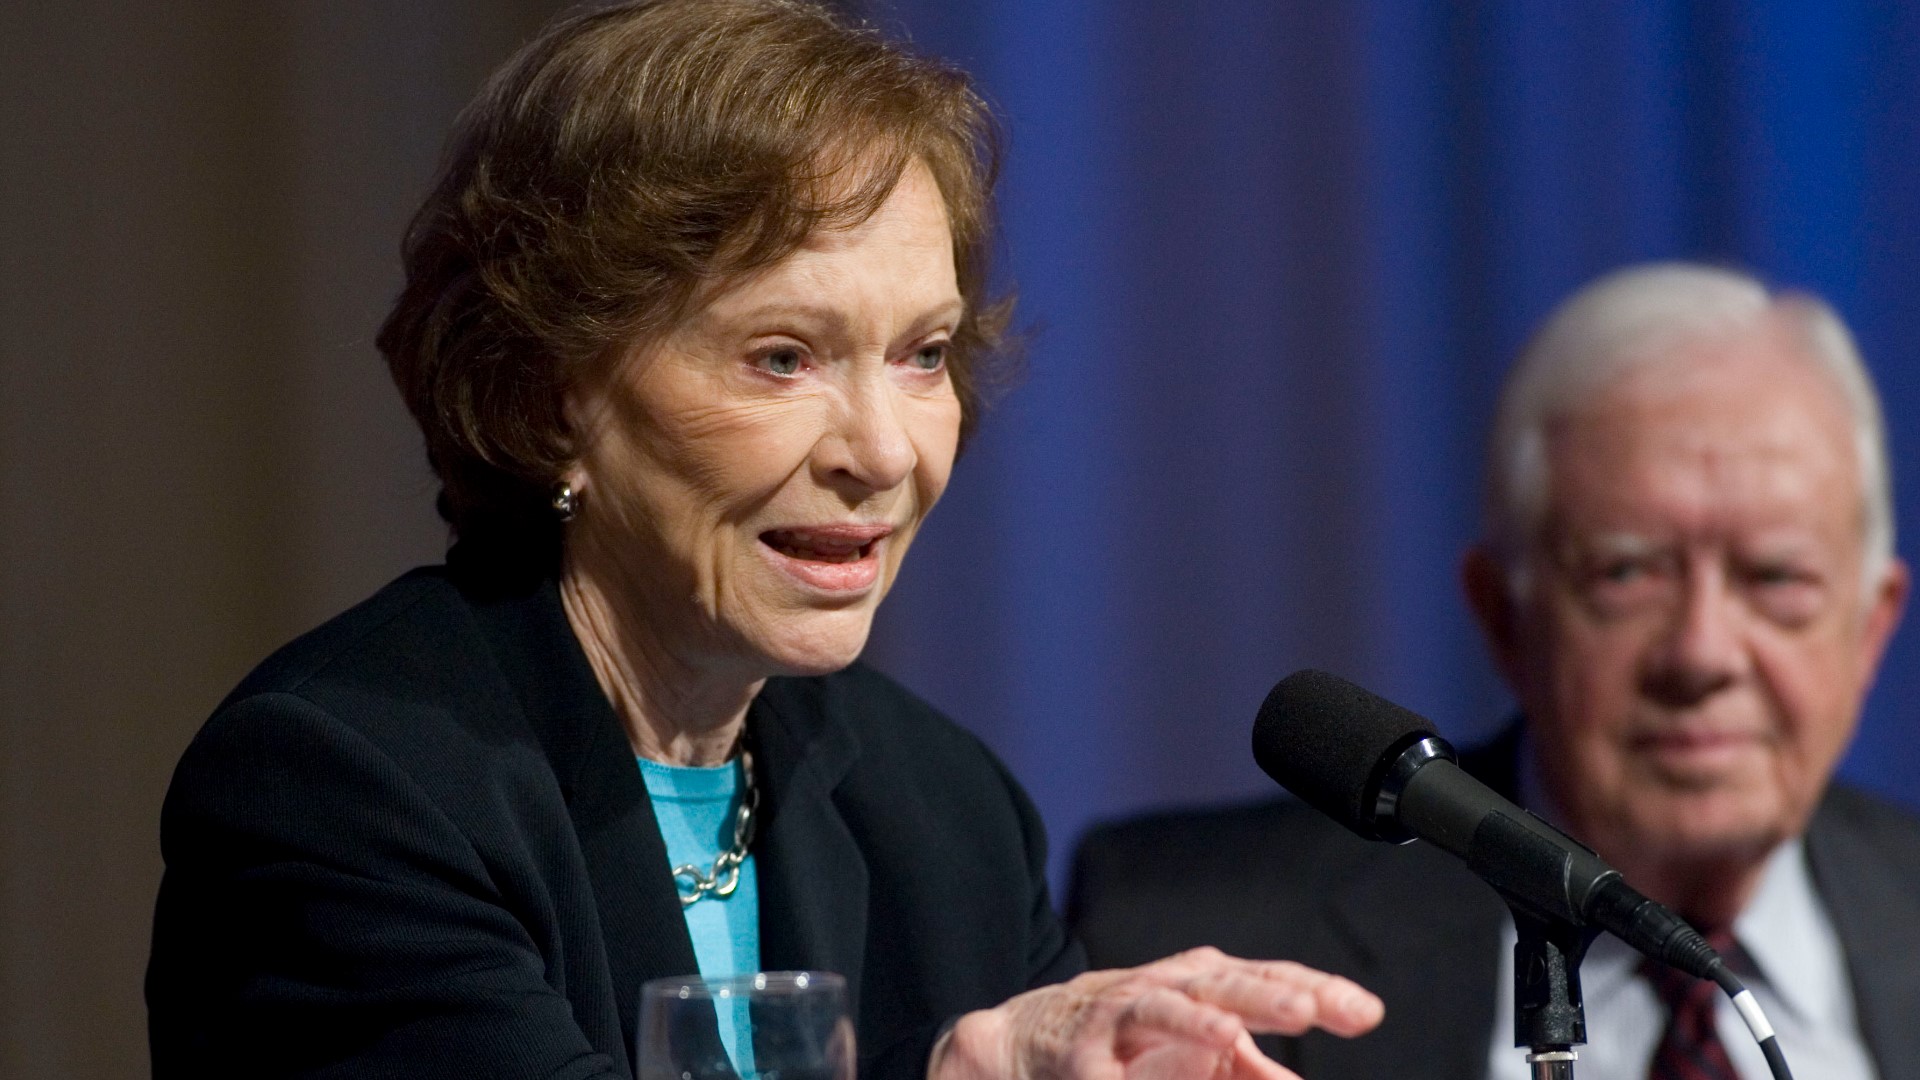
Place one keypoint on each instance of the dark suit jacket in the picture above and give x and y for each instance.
(415, 843)
(1281, 880)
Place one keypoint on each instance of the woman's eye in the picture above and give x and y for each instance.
(930, 357)
(782, 361)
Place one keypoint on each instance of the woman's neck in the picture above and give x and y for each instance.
(674, 711)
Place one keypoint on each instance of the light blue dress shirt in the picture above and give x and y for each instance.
(1802, 987)
(696, 808)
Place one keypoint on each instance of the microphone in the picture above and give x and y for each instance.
(1384, 772)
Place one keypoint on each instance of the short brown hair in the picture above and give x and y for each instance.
(622, 159)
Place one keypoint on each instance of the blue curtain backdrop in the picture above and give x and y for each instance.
(1274, 256)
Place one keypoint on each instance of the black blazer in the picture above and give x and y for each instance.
(1281, 880)
(415, 843)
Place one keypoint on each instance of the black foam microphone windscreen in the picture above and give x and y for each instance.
(1326, 740)
(1339, 747)
(1384, 772)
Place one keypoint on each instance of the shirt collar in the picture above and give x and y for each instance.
(1784, 927)
(1786, 931)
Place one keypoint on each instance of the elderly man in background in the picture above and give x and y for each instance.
(1688, 580)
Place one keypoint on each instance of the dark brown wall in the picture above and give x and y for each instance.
(200, 208)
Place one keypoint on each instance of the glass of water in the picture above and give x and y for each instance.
(772, 1025)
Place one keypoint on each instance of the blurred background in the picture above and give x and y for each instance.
(1273, 254)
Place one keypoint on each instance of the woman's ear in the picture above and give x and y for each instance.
(581, 407)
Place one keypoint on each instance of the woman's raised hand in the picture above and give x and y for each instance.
(1188, 1017)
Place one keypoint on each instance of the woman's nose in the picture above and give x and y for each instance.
(870, 446)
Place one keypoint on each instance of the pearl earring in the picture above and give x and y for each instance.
(566, 502)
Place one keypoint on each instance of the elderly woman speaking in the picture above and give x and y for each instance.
(693, 326)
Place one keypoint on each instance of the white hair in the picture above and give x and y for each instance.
(1632, 319)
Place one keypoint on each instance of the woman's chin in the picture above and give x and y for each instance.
(819, 642)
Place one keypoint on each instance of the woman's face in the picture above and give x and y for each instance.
(750, 481)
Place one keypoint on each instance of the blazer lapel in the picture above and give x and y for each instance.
(640, 916)
(1426, 937)
(1878, 921)
(640, 919)
(812, 877)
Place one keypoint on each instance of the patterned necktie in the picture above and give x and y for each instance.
(1691, 1048)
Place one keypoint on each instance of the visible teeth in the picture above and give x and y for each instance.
(816, 548)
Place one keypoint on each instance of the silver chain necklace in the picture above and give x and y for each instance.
(695, 885)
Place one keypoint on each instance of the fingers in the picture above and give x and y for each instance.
(1276, 996)
(1251, 1063)
(1299, 998)
(1164, 1034)
(1186, 1046)
(1187, 1060)
(1164, 1011)
(1347, 1008)
(1188, 1017)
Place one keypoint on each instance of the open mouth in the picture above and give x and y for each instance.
(839, 560)
(819, 547)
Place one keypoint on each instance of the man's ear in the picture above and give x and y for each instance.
(1484, 578)
(1884, 608)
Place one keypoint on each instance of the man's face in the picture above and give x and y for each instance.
(1698, 634)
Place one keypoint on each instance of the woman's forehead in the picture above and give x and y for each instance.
(902, 254)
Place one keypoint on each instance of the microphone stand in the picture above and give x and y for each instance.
(1548, 1017)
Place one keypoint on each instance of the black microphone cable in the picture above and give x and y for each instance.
(1749, 1010)
(1674, 942)
(1354, 756)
